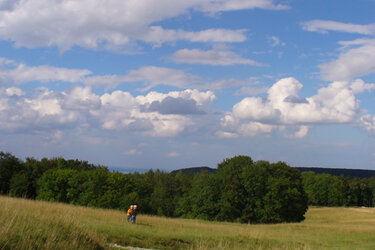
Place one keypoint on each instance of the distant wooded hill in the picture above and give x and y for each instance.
(195, 170)
(360, 173)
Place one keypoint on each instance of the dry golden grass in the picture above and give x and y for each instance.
(26, 224)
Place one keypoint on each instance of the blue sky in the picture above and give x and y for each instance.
(170, 84)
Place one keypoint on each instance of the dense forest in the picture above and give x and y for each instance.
(360, 173)
(240, 190)
(328, 186)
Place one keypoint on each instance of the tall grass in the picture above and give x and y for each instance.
(26, 224)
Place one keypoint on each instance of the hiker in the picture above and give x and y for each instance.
(130, 213)
(134, 214)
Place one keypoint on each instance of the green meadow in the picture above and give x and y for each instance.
(28, 224)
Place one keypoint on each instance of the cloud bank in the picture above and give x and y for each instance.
(283, 109)
(114, 24)
(80, 107)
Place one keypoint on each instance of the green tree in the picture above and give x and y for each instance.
(309, 180)
(20, 185)
(255, 183)
(286, 200)
(25, 182)
(163, 198)
(202, 200)
(144, 189)
(54, 185)
(9, 165)
(94, 187)
(336, 191)
(118, 186)
(232, 197)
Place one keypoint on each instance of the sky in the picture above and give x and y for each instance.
(141, 84)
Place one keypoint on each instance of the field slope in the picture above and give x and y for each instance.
(26, 224)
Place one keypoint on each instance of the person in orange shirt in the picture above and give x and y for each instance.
(130, 213)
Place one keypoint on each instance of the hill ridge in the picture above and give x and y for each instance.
(349, 172)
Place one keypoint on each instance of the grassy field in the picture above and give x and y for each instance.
(26, 224)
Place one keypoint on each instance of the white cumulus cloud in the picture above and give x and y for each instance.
(352, 61)
(285, 110)
(80, 107)
(13, 91)
(121, 111)
(367, 122)
(112, 24)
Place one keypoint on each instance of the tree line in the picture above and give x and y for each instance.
(241, 190)
(330, 190)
